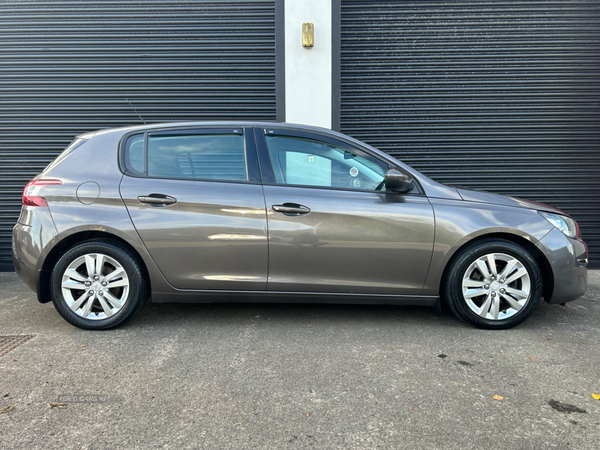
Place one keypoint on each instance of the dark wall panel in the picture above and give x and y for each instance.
(501, 96)
(72, 66)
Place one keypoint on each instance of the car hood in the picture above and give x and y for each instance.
(472, 195)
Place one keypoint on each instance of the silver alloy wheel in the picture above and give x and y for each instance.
(95, 286)
(496, 286)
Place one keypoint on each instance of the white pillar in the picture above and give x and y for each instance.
(308, 71)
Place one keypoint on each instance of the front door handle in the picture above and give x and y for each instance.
(291, 209)
(157, 199)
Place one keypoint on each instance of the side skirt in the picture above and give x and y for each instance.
(214, 296)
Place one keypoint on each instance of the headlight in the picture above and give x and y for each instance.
(565, 224)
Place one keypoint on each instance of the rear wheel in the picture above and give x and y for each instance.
(98, 285)
(493, 284)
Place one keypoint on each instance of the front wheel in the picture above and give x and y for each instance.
(98, 285)
(493, 284)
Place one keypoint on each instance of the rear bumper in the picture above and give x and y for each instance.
(568, 260)
(24, 255)
(30, 239)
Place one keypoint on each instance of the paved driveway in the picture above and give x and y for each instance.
(299, 376)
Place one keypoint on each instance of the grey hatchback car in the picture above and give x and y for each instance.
(263, 212)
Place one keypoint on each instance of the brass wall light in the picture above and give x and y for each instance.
(308, 35)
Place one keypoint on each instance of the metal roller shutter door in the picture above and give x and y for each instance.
(72, 66)
(501, 96)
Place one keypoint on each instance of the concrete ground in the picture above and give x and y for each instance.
(299, 376)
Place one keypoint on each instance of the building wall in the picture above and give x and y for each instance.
(308, 71)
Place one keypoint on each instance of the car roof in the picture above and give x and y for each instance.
(145, 127)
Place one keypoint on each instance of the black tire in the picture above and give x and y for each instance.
(463, 308)
(133, 297)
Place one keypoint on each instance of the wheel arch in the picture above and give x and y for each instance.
(43, 287)
(540, 258)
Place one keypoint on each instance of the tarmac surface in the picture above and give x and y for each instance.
(234, 376)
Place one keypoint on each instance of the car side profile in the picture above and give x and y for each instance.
(265, 212)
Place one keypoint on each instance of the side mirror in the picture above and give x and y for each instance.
(398, 182)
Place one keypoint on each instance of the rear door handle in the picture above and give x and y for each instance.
(291, 209)
(157, 199)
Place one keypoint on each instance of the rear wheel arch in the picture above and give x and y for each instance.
(44, 288)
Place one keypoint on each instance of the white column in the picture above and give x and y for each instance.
(308, 70)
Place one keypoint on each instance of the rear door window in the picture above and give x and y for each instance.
(201, 156)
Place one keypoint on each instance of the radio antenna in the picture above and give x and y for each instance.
(136, 111)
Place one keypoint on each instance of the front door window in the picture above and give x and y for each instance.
(307, 162)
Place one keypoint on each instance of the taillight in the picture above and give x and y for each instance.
(36, 200)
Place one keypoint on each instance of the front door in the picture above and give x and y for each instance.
(195, 198)
(332, 227)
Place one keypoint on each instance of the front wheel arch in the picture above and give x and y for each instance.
(470, 265)
(544, 265)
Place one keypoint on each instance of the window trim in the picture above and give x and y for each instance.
(268, 174)
(252, 166)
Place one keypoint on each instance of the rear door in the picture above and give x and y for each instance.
(195, 198)
(332, 226)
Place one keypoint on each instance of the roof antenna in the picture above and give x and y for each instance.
(136, 111)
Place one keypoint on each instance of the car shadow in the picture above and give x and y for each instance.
(290, 314)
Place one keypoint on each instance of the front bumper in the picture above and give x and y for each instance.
(568, 260)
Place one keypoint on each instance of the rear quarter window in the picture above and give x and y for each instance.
(134, 154)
